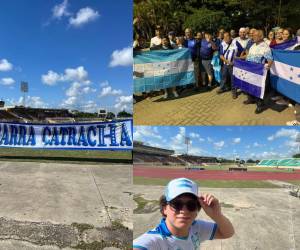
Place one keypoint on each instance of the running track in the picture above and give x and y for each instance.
(169, 173)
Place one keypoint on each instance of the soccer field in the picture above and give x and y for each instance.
(90, 156)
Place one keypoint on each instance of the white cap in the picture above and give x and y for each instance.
(180, 186)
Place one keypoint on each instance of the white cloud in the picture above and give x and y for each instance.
(74, 89)
(196, 136)
(78, 74)
(283, 132)
(109, 91)
(104, 84)
(219, 145)
(7, 81)
(33, 102)
(146, 132)
(84, 16)
(124, 103)
(51, 78)
(5, 65)
(70, 101)
(256, 144)
(89, 106)
(88, 90)
(210, 139)
(236, 140)
(60, 10)
(121, 57)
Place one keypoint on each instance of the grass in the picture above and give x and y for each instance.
(17, 154)
(250, 168)
(82, 227)
(295, 182)
(137, 180)
(145, 206)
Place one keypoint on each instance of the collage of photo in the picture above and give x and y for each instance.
(150, 125)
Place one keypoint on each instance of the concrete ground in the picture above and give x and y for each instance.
(207, 108)
(262, 218)
(60, 206)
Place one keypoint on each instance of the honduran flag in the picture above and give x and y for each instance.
(250, 77)
(161, 69)
(288, 45)
(285, 73)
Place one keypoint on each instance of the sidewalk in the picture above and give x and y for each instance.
(207, 108)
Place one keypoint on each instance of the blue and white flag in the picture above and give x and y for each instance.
(285, 73)
(116, 135)
(288, 45)
(250, 77)
(161, 69)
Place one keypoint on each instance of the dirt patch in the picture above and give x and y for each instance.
(77, 236)
(145, 206)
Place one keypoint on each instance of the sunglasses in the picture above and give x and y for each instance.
(191, 205)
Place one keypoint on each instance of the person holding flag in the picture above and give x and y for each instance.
(259, 53)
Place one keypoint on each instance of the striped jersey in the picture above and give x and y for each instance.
(161, 238)
(241, 44)
(229, 53)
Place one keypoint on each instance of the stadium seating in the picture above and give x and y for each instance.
(288, 162)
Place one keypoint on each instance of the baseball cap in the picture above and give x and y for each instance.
(180, 186)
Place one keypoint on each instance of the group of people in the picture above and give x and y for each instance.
(214, 56)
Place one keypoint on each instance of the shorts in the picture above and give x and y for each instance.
(206, 67)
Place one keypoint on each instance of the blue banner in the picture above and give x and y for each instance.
(250, 77)
(285, 73)
(161, 69)
(117, 135)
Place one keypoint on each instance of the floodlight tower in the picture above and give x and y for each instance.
(24, 90)
(298, 140)
(187, 141)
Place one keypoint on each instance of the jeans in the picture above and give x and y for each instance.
(227, 76)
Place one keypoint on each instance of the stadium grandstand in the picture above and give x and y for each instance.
(44, 115)
(280, 163)
(144, 154)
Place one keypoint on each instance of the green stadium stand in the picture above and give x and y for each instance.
(288, 162)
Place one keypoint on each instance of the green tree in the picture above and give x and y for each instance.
(296, 155)
(124, 114)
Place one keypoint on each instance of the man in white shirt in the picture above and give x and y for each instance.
(241, 41)
(178, 228)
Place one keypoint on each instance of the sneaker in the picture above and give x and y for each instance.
(293, 123)
(276, 98)
(175, 94)
(165, 95)
(258, 110)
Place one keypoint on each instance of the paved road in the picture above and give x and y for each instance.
(51, 205)
(207, 108)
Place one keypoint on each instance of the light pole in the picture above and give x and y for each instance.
(187, 141)
(298, 140)
(24, 90)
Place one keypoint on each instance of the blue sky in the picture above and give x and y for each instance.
(256, 142)
(74, 54)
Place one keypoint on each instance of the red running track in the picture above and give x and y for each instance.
(170, 173)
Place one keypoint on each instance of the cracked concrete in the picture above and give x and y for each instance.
(41, 204)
